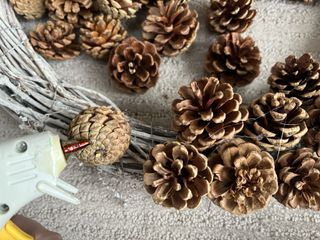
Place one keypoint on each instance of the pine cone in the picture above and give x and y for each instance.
(244, 177)
(276, 122)
(177, 175)
(135, 64)
(312, 138)
(107, 131)
(100, 34)
(172, 27)
(230, 15)
(234, 59)
(119, 9)
(68, 10)
(298, 78)
(29, 9)
(208, 113)
(299, 179)
(150, 3)
(55, 40)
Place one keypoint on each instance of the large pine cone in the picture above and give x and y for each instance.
(108, 132)
(230, 15)
(68, 10)
(29, 9)
(135, 64)
(297, 77)
(208, 113)
(234, 59)
(276, 122)
(312, 138)
(172, 27)
(299, 179)
(101, 34)
(119, 9)
(55, 40)
(177, 175)
(244, 177)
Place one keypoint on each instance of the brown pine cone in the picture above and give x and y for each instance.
(101, 34)
(150, 3)
(177, 175)
(312, 138)
(119, 9)
(234, 59)
(230, 15)
(68, 10)
(244, 177)
(297, 77)
(29, 9)
(299, 179)
(135, 64)
(108, 132)
(276, 122)
(55, 40)
(208, 113)
(172, 27)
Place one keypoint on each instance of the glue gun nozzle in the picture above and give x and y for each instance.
(75, 147)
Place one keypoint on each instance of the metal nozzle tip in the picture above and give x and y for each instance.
(70, 148)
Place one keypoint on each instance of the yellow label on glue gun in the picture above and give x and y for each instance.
(11, 232)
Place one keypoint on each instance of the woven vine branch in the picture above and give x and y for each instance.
(33, 94)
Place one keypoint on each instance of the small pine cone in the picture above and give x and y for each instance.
(297, 77)
(119, 9)
(244, 177)
(108, 132)
(101, 34)
(177, 175)
(208, 113)
(29, 9)
(135, 64)
(55, 40)
(172, 27)
(276, 122)
(299, 179)
(234, 59)
(68, 10)
(312, 138)
(230, 15)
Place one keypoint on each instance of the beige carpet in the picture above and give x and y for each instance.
(117, 207)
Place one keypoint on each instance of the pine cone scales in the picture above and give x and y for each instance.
(297, 77)
(100, 34)
(55, 40)
(29, 9)
(172, 27)
(119, 9)
(107, 131)
(277, 122)
(244, 177)
(135, 64)
(177, 175)
(299, 179)
(230, 15)
(208, 113)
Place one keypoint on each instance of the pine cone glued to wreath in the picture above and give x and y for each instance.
(234, 59)
(101, 34)
(299, 179)
(29, 9)
(208, 113)
(297, 77)
(171, 27)
(55, 40)
(119, 9)
(68, 10)
(230, 15)
(177, 175)
(277, 123)
(244, 177)
(108, 132)
(135, 65)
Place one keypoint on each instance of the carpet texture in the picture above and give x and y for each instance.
(117, 207)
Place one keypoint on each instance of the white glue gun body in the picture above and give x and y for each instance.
(30, 167)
